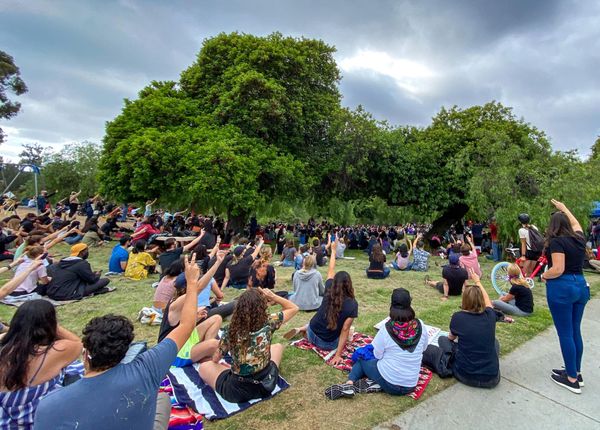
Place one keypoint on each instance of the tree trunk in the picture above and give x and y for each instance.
(237, 222)
(453, 214)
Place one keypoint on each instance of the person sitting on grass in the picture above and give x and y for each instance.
(468, 258)
(398, 349)
(37, 280)
(262, 272)
(329, 328)
(92, 236)
(117, 263)
(140, 262)
(319, 252)
(255, 364)
(288, 254)
(454, 277)
(420, 256)
(18, 279)
(402, 261)
(73, 279)
(238, 269)
(519, 299)
(33, 355)
(173, 252)
(471, 344)
(308, 285)
(300, 256)
(165, 291)
(377, 268)
(129, 392)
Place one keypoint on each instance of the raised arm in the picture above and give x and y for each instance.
(259, 245)
(194, 242)
(288, 308)
(477, 281)
(187, 320)
(11, 285)
(215, 249)
(563, 208)
(331, 270)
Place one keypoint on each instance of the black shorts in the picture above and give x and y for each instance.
(532, 255)
(238, 389)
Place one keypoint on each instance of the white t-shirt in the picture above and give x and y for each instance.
(524, 234)
(339, 250)
(30, 282)
(396, 365)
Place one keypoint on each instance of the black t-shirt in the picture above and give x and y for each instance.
(476, 350)
(168, 257)
(319, 255)
(220, 273)
(267, 282)
(574, 250)
(456, 277)
(239, 273)
(376, 265)
(27, 226)
(318, 323)
(523, 297)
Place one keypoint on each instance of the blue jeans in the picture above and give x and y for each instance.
(395, 265)
(72, 240)
(378, 275)
(567, 296)
(369, 369)
(496, 251)
(320, 343)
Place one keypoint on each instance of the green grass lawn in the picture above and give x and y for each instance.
(303, 406)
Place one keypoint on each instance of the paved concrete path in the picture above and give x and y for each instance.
(526, 398)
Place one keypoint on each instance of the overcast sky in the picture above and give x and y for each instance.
(402, 60)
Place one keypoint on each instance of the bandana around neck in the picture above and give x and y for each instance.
(406, 335)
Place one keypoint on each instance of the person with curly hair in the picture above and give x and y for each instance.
(115, 395)
(329, 329)
(262, 272)
(33, 355)
(255, 368)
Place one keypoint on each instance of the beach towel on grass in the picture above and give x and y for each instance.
(360, 340)
(190, 390)
(19, 300)
(182, 417)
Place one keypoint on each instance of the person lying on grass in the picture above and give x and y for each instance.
(118, 396)
(202, 342)
(33, 354)
(255, 368)
(329, 328)
(454, 277)
(397, 353)
(519, 299)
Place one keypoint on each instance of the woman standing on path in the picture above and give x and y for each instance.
(567, 292)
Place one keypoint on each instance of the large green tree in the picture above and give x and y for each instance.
(10, 81)
(280, 89)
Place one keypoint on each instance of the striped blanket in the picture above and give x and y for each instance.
(190, 390)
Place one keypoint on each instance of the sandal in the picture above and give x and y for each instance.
(291, 334)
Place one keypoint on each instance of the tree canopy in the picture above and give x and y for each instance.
(10, 81)
(256, 124)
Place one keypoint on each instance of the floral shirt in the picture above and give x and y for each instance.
(258, 352)
(420, 260)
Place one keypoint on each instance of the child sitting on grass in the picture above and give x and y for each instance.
(519, 300)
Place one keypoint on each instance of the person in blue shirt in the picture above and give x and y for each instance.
(119, 256)
(115, 395)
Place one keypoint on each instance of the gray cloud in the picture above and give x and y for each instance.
(80, 59)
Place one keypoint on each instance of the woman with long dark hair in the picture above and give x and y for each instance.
(377, 268)
(398, 350)
(329, 329)
(255, 368)
(33, 354)
(567, 292)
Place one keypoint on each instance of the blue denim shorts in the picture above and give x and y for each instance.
(318, 342)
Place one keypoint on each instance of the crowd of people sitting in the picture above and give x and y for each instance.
(198, 257)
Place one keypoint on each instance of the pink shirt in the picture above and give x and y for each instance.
(470, 262)
(30, 283)
(165, 290)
